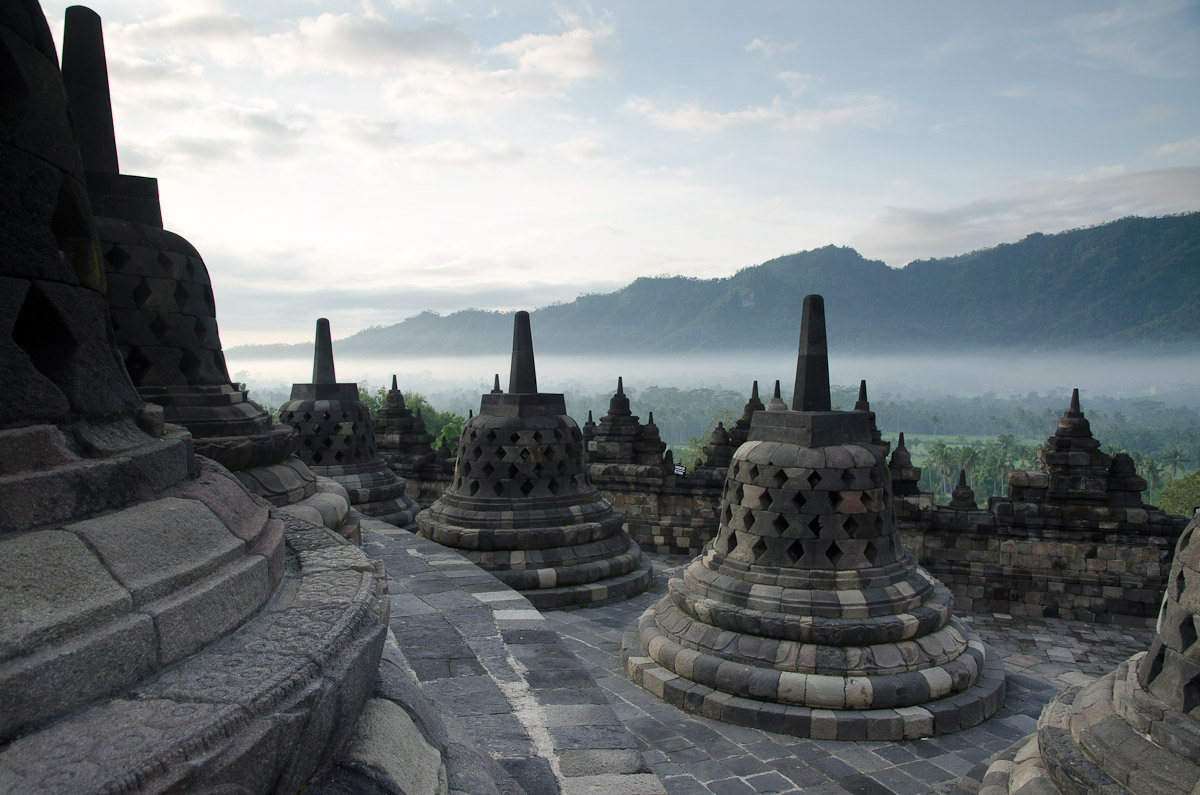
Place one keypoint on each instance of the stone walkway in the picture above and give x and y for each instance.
(573, 723)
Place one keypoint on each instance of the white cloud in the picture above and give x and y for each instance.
(1189, 146)
(769, 48)
(691, 117)
(851, 111)
(1149, 39)
(798, 82)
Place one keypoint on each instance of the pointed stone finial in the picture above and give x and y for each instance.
(812, 363)
(496, 386)
(395, 386)
(900, 442)
(776, 402)
(589, 419)
(962, 479)
(862, 404)
(1074, 407)
(650, 421)
(85, 75)
(323, 356)
(470, 413)
(962, 498)
(754, 391)
(620, 385)
(522, 377)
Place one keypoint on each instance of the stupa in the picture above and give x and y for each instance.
(400, 435)
(906, 477)
(337, 439)
(1135, 730)
(147, 640)
(806, 616)
(521, 505)
(619, 438)
(161, 302)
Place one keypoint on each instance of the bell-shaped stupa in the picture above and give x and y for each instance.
(162, 307)
(1138, 728)
(806, 616)
(337, 439)
(521, 505)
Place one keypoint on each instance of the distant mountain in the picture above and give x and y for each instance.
(1130, 283)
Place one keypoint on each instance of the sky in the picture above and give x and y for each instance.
(367, 161)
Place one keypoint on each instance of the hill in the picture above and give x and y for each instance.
(1132, 283)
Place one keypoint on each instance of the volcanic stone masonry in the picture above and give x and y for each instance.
(1074, 541)
(806, 616)
(151, 637)
(1136, 729)
(162, 308)
(521, 505)
(337, 439)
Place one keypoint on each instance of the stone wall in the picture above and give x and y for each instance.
(1108, 573)
(667, 515)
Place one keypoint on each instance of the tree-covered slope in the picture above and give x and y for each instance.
(1132, 282)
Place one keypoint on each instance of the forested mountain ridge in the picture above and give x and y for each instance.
(1134, 282)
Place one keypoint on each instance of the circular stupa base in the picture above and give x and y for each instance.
(401, 513)
(593, 594)
(823, 715)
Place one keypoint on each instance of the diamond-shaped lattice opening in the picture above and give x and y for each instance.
(835, 499)
(189, 365)
(537, 437)
(142, 293)
(872, 552)
(306, 416)
(558, 436)
(835, 554)
(753, 473)
(1187, 632)
(137, 363)
(847, 478)
(307, 442)
(738, 494)
(487, 469)
(873, 475)
(562, 467)
(200, 330)
(548, 452)
(794, 551)
(814, 479)
(1191, 694)
(728, 515)
(878, 524)
(477, 452)
(326, 415)
(181, 295)
(209, 302)
(474, 488)
(526, 487)
(328, 442)
(1177, 585)
(1156, 666)
(471, 436)
(758, 548)
(779, 478)
(498, 488)
(512, 471)
(553, 485)
(538, 469)
(458, 483)
(799, 500)
(514, 438)
(340, 456)
(317, 457)
(500, 453)
(525, 454)
(780, 524)
(158, 327)
(490, 436)
(814, 526)
(346, 415)
(117, 257)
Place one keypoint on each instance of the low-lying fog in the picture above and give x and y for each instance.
(1172, 378)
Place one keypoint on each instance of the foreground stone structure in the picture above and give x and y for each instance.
(337, 439)
(521, 505)
(1074, 541)
(159, 630)
(162, 307)
(806, 616)
(1136, 729)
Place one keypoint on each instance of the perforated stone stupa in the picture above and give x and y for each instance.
(146, 641)
(1136, 729)
(521, 505)
(337, 439)
(162, 307)
(805, 615)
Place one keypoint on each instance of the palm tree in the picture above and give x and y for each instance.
(933, 418)
(1173, 458)
(938, 460)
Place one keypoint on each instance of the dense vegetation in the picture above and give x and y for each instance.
(1130, 282)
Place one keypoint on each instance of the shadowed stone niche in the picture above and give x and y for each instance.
(521, 505)
(805, 615)
(1136, 729)
(337, 440)
(157, 633)
(162, 308)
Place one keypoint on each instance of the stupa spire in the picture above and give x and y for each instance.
(323, 355)
(1074, 407)
(85, 75)
(522, 377)
(395, 386)
(862, 404)
(812, 363)
(496, 385)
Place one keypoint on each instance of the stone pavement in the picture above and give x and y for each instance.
(559, 721)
